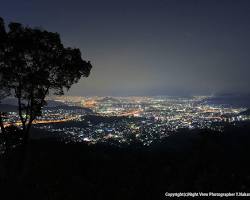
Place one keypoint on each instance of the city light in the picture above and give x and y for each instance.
(98, 119)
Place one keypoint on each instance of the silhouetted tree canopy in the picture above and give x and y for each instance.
(4, 90)
(33, 64)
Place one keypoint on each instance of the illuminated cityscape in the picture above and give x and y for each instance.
(124, 99)
(124, 119)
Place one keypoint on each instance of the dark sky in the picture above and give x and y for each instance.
(158, 47)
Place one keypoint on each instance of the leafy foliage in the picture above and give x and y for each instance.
(33, 64)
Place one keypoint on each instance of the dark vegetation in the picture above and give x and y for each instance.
(197, 160)
(33, 64)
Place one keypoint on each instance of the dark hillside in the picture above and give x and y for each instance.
(207, 161)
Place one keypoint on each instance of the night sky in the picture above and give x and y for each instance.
(158, 47)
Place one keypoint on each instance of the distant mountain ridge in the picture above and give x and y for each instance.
(10, 105)
(246, 112)
(8, 108)
(235, 100)
(111, 99)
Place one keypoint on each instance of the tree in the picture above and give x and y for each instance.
(36, 64)
(4, 90)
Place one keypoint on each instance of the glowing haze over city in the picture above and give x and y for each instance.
(149, 47)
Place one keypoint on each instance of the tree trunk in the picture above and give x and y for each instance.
(3, 134)
(1, 124)
(24, 158)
